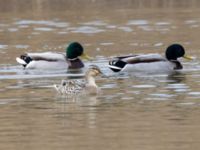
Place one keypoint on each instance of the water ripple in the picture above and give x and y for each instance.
(138, 22)
(13, 29)
(43, 29)
(194, 93)
(177, 86)
(191, 22)
(160, 96)
(3, 46)
(126, 29)
(42, 22)
(20, 46)
(95, 23)
(162, 23)
(107, 43)
(87, 30)
(144, 86)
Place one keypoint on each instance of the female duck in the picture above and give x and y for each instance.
(76, 86)
(150, 63)
(53, 60)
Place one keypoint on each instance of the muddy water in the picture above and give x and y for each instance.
(138, 111)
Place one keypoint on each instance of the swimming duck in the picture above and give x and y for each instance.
(88, 84)
(150, 63)
(53, 60)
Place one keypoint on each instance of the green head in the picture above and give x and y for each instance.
(175, 51)
(74, 50)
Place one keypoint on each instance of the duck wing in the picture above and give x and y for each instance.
(25, 59)
(147, 58)
(70, 86)
(118, 63)
(48, 56)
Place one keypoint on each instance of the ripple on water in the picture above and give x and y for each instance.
(158, 44)
(87, 30)
(144, 86)
(3, 25)
(95, 23)
(138, 22)
(23, 26)
(186, 104)
(16, 72)
(43, 29)
(62, 32)
(22, 46)
(160, 96)
(146, 28)
(194, 94)
(107, 43)
(194, 26)
(162, 23)
(35, 33)
(13, 29)
(162, 29)
(191, 22)
(42, 22)
(127, 98)
(3, 46)
(111, 26)
(178, 87)
(125, 29)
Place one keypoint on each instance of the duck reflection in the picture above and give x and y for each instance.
(176, 77)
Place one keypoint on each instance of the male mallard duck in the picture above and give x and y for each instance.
(76, 86)
(53, 60)
(150, 63)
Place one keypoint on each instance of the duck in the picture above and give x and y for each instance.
(87, 85)
(54, 60)
(151, 63)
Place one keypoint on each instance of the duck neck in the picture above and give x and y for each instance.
(76, 63)
(91, 81)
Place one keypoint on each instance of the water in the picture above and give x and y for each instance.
(134, 111)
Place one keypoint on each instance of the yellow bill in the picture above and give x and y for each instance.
(188, 57)
(85, 56)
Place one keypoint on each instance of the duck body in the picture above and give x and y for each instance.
(53, 60)
(46, 60)
(150, 63)
(87, 85)
(70, 87)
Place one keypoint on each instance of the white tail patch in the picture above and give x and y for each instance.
(114, 67)
(21, 61)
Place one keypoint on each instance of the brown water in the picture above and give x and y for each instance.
(145, 112)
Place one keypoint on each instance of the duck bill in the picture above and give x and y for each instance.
(188, 57)
(85, 56)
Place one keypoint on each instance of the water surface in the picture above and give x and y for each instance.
(134, 111)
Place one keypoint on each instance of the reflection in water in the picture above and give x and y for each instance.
(177, 77)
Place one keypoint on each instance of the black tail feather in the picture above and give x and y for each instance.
(116, 65)
(26, 58)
